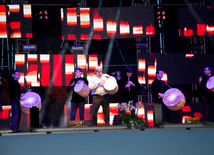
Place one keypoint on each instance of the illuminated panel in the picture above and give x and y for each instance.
(210, 29)
(150, 118)
(45, 69)
(189, 55)
(81, 61)
(32, 71)
(62, 14)
(15, 25)
(188, 33)
(3, 22)
(98, 22)
(93, 61)
(22, 77)
(27, 11)
(142, 65)
(95, 23)
(19, 59)
(89, 75)
(164, 78)
(84, 17)
(71, 16)
(14, 8)
(150, 30)
(69, 68)
(16, 33)
(186, 109)
(124, 28)
(4, 114)
(71, 37)
(84, 37)
(111, 28)
(152, 72)
(201, 29)
(197, 115)
(97, 36)
(57, 70)
(138, 30)
(142, 69)
(31, 76)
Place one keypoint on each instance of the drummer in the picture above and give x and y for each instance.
(158, 89)
(15, 94)
(100, 96)
(208, 95)
(77, 100)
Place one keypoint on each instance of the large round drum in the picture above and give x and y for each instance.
(82, 89)
(174, 99)
(29, 100)
(110, 85)
(210, 84)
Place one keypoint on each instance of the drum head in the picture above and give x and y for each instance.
(110, 83)
(210, 84)
(30, 99)
(78, 87)
(172, 97)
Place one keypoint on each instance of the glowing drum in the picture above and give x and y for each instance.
(110, 85)
(174, 99)
(82, 89)
(210, 84)
(29, 100)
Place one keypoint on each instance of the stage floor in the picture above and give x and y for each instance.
(85, 129)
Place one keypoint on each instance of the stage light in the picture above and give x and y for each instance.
(77, 49)
(197, 47)
(43, 14)
(141, 45)
(161, 15)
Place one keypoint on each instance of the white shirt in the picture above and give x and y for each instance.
(95, 86)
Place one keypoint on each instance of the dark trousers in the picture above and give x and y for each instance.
(97, 101)
(16, 115)
(167, 114)
(208, 109)
(74, 106)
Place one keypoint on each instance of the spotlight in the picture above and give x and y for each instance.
(77, 49)
(141, 45)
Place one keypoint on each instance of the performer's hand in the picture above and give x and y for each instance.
(160, 95)
(200, 79)
(131, 83)
(22, 94)
(80, 81)
(210, 79)
(102, 81)
(127, 85)
(72, 84)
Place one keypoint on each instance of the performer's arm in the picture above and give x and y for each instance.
(71, 85)
(93, 84)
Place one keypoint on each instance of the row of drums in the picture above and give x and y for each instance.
(173, 98)
(32, 99)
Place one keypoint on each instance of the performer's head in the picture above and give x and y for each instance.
(78, 72)
(207, 70)
(98, 71)
(129, 72)
(159, 74)
(16, 75)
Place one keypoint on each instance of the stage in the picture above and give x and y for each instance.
(166, 139)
